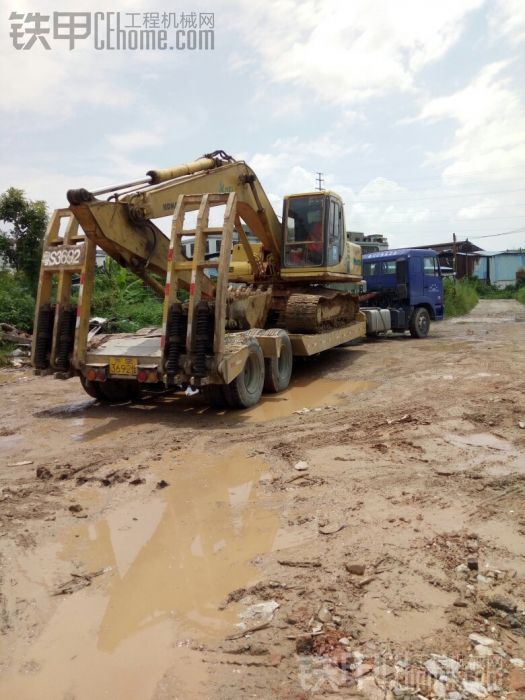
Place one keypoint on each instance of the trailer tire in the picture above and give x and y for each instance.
(278, 370)
(119, 390)
(92, 389)
(246, 389)
(419, 323)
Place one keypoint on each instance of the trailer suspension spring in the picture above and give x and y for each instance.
(44, 336)
(176, 332)
(203, 338)
(66, 337)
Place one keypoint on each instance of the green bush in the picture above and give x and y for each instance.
(124, 299)
(488, 291)
(460, 297)
(17, 304)
(6, 349)
(119, 296)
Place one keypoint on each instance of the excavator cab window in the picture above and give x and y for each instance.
(336, 234)
(314, 231)
(304, 239)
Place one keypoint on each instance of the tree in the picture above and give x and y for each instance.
(21, 238)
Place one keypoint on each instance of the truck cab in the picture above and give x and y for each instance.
(404, 291)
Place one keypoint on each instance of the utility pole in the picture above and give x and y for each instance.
(454, 252)
(320, 182)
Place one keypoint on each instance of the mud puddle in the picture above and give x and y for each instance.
(314, 394)
(303, 394)
(168, 561)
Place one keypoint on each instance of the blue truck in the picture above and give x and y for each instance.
(404, 291)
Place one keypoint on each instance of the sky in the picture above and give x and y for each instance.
(413, 111)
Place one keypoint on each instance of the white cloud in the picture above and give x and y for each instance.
(489, 139)
(41, 183)
(286, 155)
(348, 52)
(134, 140)
(316, 70)
(484, 207)
(56, 82)
(508, 20)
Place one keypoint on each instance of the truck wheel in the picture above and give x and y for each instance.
(119, 390)
(278, 370)
(246, 389)
(419, 323)
(92, 389)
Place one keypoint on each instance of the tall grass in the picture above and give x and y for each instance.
(6, 348)
(460, 297)
(17, 303)
(512, 291)
(124, 299)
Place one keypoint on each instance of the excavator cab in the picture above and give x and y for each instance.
(314, 231)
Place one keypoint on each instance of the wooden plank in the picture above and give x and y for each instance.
(71, 230)
(246, 245)
(222, 276)
(174, 257)
(45, 284)
(85, 294)
(196, 273)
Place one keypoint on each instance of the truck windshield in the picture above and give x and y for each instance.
(304, 231)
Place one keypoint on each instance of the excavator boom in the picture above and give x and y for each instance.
(122, 225)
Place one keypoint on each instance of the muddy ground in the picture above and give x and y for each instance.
(362, 534)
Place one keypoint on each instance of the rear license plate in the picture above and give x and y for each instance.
(123, 366)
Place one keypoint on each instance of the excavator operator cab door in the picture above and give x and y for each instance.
(313, 230)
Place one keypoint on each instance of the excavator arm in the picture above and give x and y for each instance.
(122, 225)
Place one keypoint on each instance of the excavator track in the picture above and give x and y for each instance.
(318, 310)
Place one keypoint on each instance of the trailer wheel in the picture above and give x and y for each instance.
(119, 390)
(92, 389)
(278, 370)
(419, 323)
(246, 389)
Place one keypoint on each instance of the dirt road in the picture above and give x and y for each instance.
(362, 534)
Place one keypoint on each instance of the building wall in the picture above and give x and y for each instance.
(499, 269)
(372, 243)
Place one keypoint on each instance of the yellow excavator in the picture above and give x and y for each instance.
(231, 325)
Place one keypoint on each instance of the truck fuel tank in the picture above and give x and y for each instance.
(377, 320)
